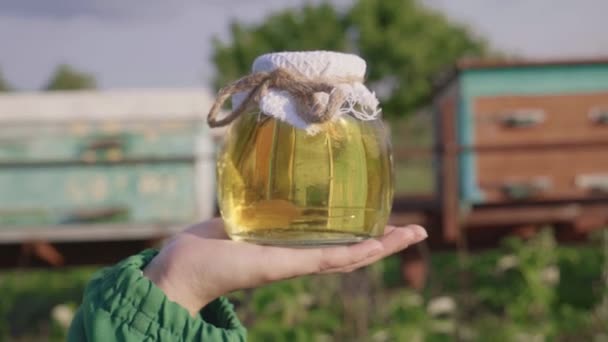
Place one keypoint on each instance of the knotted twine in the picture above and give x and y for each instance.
(306, 93)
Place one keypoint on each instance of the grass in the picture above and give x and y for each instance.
(416, 177)
(29, 297)
(371, 305)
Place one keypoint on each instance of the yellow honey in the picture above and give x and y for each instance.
(279, 185)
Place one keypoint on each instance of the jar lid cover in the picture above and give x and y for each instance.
(347, 69)
(326, 64)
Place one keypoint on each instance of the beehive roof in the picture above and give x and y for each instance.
(95, 105)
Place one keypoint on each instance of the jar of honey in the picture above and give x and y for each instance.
(306, 160)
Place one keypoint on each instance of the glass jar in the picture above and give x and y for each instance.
(281, 185)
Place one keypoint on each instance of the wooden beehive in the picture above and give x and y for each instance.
(130, 158)
(517, 135)
(526, 131)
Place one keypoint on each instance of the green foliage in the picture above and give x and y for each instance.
(524, 291)
(404, 43)
(66, 77)
(533, 290)
(4, 85)
(311, 28)
(413, 173)
(28, 297)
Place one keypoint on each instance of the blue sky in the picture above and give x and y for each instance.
(168, 43)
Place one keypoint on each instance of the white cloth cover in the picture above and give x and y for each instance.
(360, 101)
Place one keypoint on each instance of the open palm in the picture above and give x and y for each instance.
(202, 263)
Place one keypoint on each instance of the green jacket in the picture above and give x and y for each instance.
(120, 304)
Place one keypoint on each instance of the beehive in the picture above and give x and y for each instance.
(134, 157)
(524, 131)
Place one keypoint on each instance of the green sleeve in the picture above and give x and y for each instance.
(120, 304)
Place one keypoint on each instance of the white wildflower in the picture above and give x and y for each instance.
(63, 315)
(507, 262)
(550, 275)
(441, 305)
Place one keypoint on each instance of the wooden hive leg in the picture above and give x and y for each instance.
(44, 251)
(415, 266)
(526, 231)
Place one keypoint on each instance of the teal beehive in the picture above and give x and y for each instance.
(524, 131)
(129, 157)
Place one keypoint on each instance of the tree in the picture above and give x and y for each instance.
(404, 43)
(413, 43)
(312, 27)
(4, 85)
(67, 78)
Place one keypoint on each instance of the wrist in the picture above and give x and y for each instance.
(165, 273)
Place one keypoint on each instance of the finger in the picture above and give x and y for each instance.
(419, 234)
(282, 263)
(338, 257)
(400, 238)
(396, 240)
(210, 229)
(288, 263)
(389, 229)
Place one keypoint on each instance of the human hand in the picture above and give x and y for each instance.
(202, 263)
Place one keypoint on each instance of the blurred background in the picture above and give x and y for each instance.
(499, 120)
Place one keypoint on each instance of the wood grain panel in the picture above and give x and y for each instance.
(559, 168)
(447, 177)
(566, 118)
